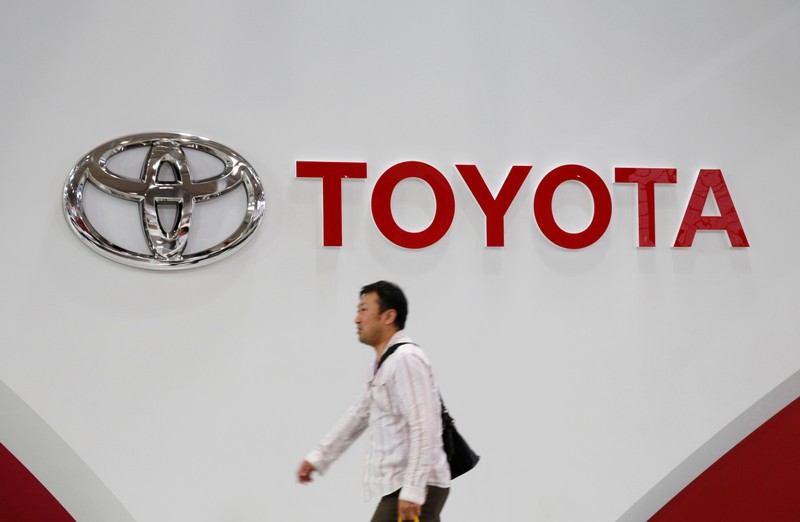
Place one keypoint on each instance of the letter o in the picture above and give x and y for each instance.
(382, 204)
(543, 206)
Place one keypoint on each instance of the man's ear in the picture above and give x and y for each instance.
(390, 316)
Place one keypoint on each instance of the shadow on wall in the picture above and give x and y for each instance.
(748, 471)
(42, 478)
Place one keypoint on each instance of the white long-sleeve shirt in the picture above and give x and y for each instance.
(401, 407)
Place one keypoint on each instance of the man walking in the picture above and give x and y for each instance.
(406, 464)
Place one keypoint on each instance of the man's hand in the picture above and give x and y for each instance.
(408, 510)
(304, 473)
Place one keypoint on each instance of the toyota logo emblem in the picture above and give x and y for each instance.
(168, 193)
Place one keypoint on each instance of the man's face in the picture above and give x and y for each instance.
(371, 324)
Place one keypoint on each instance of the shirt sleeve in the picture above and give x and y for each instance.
(414, 388)
(350, 426)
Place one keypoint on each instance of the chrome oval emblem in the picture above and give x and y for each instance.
(168, 194)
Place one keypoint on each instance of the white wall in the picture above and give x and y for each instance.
(582, 377)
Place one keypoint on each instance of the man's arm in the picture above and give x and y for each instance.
(350, 426)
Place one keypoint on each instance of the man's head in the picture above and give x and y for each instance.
(382, 311)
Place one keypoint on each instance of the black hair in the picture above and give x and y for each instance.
(390, 297)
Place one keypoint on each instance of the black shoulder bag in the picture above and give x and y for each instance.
(459, 455)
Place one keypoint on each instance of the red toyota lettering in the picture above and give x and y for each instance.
(382, 205)
(332, 174)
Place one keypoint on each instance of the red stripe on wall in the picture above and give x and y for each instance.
(757, 480)
(22, 497)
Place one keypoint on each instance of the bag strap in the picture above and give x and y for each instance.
(389, 351)
(447, 420)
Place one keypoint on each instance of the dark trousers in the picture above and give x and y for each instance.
(434, 501)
